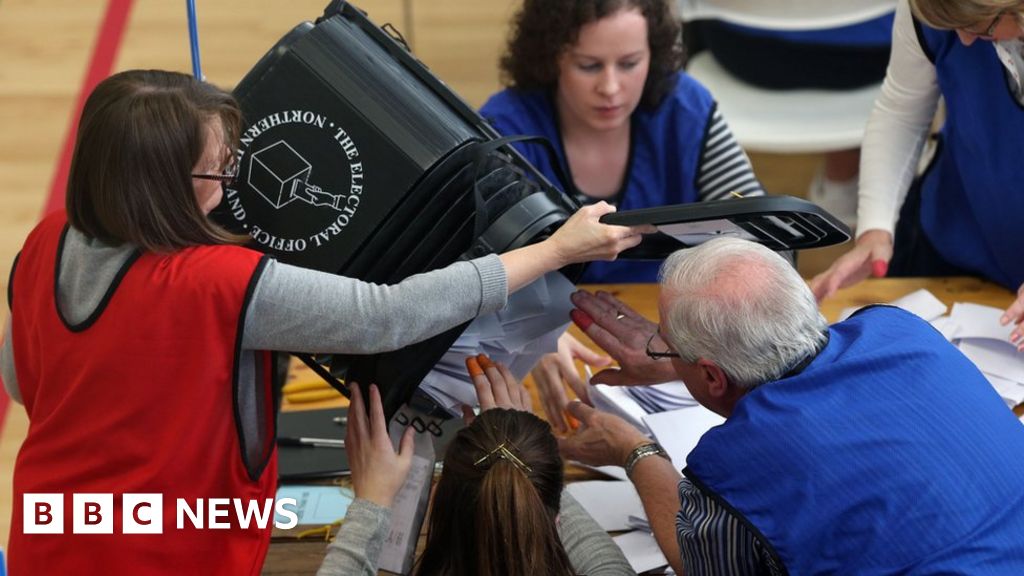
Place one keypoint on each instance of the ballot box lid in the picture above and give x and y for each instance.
(778, 222)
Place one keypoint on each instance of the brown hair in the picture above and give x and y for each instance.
(543, 29)
(954, 14)
(497, 516)
(140, 135)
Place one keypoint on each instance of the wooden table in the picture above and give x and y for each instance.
(293, 557)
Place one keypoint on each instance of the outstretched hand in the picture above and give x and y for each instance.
(870, 257)
(623, 333)
(554, 371)
(603, 439)
(378, 472)
(496, 387)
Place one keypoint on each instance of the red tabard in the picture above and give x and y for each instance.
(139, 399)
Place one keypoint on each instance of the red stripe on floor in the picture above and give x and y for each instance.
(104, 52)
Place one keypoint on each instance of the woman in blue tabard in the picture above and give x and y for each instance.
(962, 215)
(601, 80)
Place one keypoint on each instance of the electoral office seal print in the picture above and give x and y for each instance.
(300, 181)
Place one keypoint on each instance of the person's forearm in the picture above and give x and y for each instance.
(657, 481)
(301, 310)
(526, 264)
(896, 128)
(357, 546)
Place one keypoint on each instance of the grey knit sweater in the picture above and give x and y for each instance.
(356, 549)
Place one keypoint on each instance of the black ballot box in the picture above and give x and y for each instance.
(356, 160)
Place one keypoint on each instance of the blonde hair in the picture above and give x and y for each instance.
(954, 14)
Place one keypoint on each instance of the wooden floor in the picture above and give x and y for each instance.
(46, 48)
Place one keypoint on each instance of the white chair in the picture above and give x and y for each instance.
(786, 14)
(786, 121)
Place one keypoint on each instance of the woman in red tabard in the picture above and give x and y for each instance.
(139, 332)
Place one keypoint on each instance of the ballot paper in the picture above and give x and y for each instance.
(921, 303)
(679, 431)
(662, 397)
(409, 507)
(518, 335)
(694, 233)
(1011, 392)
(975, 329)
(975, 321)
(617, 400)
(610, 502)
(641, 550)
(999, 359)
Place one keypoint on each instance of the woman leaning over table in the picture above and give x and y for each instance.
(499, 507)
(961, 217)
(602, 81)
(139, 330)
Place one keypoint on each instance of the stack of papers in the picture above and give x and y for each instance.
(679, 431)
(975, 329)
(517, 336)
(634, 403)
(611, 503)
(662, 397)
(641, 550)
(616, 506)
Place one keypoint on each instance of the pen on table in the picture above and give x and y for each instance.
(313, 442)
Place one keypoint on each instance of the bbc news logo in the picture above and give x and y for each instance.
(143, 513)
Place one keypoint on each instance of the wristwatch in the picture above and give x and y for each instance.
(643, 451)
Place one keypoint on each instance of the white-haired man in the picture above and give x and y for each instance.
(869, 447)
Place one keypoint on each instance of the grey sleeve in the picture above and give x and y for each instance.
(591, 550)
(300, 310)
(7, 372)
(357, 546)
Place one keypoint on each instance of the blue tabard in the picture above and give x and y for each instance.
(971, 197)
(889, 454)
(665, 151)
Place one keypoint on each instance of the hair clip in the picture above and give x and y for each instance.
(504, 453)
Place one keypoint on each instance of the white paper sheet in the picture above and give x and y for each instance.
(977, 321)
(994, 357)
(615, 400)
(610, 502)
(946, 326)
(920, 302)
(409, 506)
(1010, 391)
(641, 550)
(517, 336)
(694, 233)
(679, 431)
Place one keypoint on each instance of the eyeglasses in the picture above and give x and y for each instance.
(988, 33)
(226, 177)
(654, 355)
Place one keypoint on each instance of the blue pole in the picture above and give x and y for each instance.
(193, 37)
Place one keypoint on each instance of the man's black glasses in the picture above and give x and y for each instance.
(655, 355)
